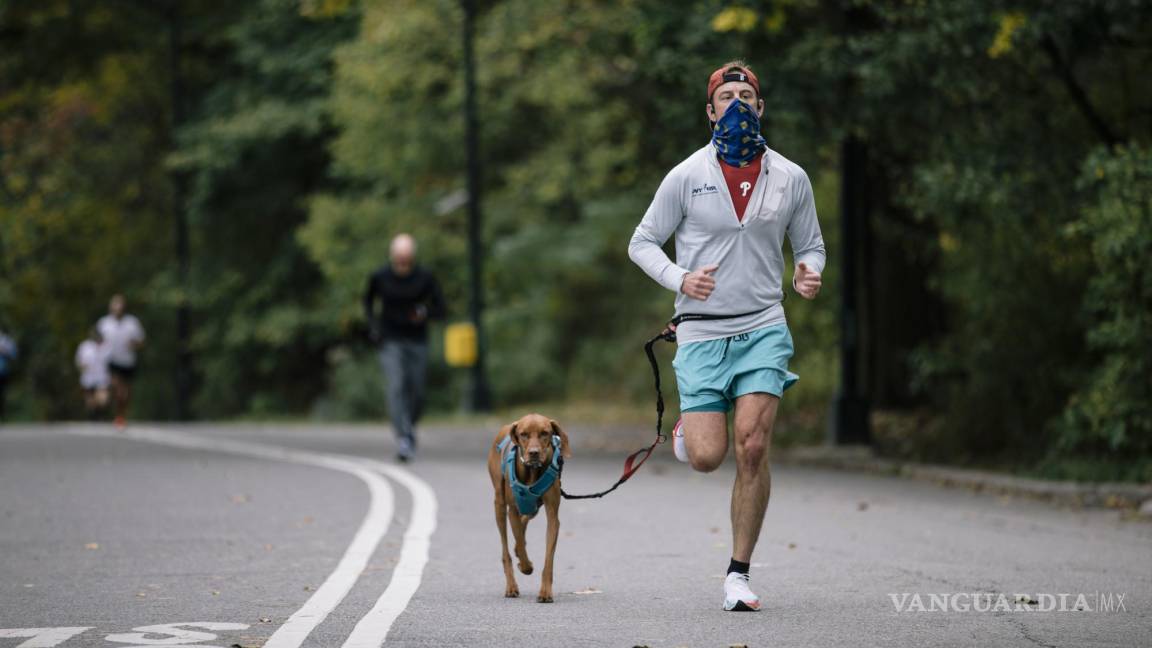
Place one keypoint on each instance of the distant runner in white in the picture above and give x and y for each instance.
(92, 361)
(124, 336)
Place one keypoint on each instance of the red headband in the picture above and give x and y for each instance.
(732, 73)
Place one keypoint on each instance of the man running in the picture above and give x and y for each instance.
(124, 336)
(730, 205)
(409, 296)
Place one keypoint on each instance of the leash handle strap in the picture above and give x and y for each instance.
(631, 465)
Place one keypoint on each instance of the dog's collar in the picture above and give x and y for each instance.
(529, 496)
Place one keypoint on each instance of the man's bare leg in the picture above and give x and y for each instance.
(755, 417)
(706, 439)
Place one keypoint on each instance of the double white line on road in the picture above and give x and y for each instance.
(372, 629)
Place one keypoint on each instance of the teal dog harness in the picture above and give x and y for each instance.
(529, 496)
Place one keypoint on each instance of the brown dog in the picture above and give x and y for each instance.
(529, 455)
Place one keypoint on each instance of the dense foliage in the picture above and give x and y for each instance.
(1006, 301)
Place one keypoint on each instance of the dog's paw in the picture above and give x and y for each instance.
(544, 598)
(512, 592)
(525, 567)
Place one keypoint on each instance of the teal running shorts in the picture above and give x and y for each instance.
(712, 374)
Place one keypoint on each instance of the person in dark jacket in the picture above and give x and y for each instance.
(400, 300)
(7, 359)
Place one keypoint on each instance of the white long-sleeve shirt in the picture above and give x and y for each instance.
(693, 202)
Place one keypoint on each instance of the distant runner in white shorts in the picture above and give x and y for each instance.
(123, 336)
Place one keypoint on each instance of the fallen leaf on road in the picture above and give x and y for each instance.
(791, 545)
(140, 595)
(307, 588)
(265, 620)
(215, 592)
(862, 506)
(308, 519)
(240, 499)
(714, 530)
(588, 590)
(92, 545)
(1025, 599)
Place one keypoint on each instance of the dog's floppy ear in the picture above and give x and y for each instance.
(512, 434)
(565, 450)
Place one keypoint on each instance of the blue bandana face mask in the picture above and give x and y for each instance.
(737, 135)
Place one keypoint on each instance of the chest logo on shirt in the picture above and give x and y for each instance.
(744, 187)
(704, 190)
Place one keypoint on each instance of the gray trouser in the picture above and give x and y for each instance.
(405, 363)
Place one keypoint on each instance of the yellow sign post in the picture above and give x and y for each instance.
(460, 345)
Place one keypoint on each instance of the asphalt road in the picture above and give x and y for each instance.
(290, 536)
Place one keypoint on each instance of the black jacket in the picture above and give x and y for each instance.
(402, 299)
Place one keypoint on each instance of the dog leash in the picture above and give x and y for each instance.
(631, 465)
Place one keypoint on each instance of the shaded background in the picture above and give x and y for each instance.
(1002, 260)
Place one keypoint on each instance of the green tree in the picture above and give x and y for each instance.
(83, 196)
(1111, 412)
(254, 150)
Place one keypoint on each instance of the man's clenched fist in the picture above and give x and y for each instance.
(700, 283)
(806, 281)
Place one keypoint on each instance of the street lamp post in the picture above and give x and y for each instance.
(849, 424)
(180, 221)
(169, 11)
(481, 400)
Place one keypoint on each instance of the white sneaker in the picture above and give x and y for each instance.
(737, 596)
(678, 447)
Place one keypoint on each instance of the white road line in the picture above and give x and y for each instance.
(373, 628)
(375, 525)
(42, 637)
